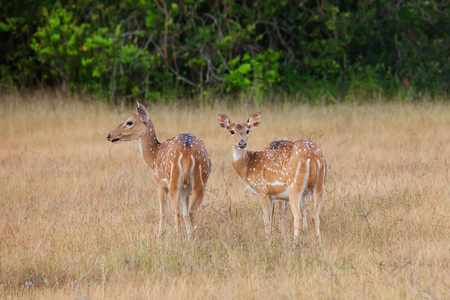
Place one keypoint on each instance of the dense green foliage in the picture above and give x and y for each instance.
(141, 48)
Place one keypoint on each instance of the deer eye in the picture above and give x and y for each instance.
(129, 123)
(232, 131)
(248, 131)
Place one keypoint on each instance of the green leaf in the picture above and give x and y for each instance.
(135, 90)
(55, 37)
(244, 68)
(150, 19)
(174, 8)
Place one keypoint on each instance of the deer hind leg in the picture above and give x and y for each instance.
(297, 198)
(187, 221)
(302, 204)
(294, 202)
(317, 198)
(175, 197)
(198, 192)
(162, 208)
(197, 198)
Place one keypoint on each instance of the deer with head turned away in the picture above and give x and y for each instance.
(284, 170)
(181, 166)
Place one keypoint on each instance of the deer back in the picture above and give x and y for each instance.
(182, 151)
(285, 165)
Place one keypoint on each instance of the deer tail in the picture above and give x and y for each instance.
(187, 167)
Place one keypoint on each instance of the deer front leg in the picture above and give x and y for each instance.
(162, 208)
(267, 208)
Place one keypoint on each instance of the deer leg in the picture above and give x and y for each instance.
(198, 192)
(267, 208)
(294, 201)
(197, 199)
(272, 210)
(162, 208)
(283, 206)
(317, 198)
(175, 197)
(187, 221)
(302, 204)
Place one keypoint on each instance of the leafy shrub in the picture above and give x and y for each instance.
(325, 49)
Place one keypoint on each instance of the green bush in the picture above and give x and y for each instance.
(322, 50)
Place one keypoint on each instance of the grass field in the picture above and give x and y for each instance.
(79, 215)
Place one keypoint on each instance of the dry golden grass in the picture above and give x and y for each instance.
(79, 215)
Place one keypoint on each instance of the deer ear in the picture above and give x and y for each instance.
(254, 120)
(224, 122)
(142, 111)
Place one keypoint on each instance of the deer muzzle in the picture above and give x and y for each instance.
(109, 138)
(242, 144)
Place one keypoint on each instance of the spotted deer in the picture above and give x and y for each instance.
(181, 165)
(278, 145)
(284, 170)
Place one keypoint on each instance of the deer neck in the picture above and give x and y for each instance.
(241, 161)
(148, 143)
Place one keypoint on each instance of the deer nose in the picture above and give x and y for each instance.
(109, 137)
(242, 144)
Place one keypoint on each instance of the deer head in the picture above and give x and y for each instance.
(133, 128)
(239, 131)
